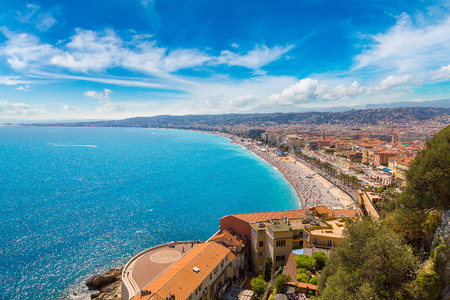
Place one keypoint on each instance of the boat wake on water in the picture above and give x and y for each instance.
(61, 145)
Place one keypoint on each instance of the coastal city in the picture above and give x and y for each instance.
(225, 150)
(341, 174)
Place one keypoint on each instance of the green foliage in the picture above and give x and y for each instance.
(314, 280)
(303, 277)
(305, 261)
(258, 286)
(272, 296)
(302, 270)
(417, 213)
(372, 262)
(283, 147)
(381, 189)
(321, 258)
(427, 284)
(428, 178)
(268, 264)
(280, 282)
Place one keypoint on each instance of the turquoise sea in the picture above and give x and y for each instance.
(77, 201)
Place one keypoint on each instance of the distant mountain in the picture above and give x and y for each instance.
(349, 117)
(444, 103)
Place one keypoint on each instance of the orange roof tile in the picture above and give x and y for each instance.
(231, 240)
(291, 268)
(307, 285)
(180, 279)
(321, 210)
(344, 213)
(263, 216)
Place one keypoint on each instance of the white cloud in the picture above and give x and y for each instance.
(90, 51)
(70, 108)
(253, 59)
(306, 90)
(10, 109)
(25, 88)
(42, 21)
(408, 47)
(100, 96)
(23, 50)
(443, 73)
(105, 103)
(221, 103)
(342, 90)
(392, 82)
(12, 80)
(311, 90)
(45, 21)
(184, 58)
(95, 51)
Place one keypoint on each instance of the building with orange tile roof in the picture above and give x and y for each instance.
(238, 245)
(199, 274)
(276, 234)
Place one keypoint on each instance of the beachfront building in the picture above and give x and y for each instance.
(276, 234)
(201, 273)
(238, 245)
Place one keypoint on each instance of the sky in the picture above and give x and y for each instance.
(93, 60)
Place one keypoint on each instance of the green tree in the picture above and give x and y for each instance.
(372, 262)
(428, 178)
(258, 286)
(427, 193)
(321, 258)
(314, 280)
(305, 261)
(268, 264)
(303, 277)
(280, 282)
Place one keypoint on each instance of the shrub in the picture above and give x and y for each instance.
(321, 258)
(305, 261)
(314, 280)
(303, 277)
(258, 286)
(280, 282)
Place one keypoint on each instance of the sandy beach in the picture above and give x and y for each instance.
(311, 188)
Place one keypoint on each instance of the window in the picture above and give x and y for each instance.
(307, 237)
(329, 243)
(260, 254)
(280, 258)
(260, 233)
(316, 241)
(281, 243)
(261, 243)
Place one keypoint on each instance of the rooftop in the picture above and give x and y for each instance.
(279, 227)
(337, 230)
(186, 274)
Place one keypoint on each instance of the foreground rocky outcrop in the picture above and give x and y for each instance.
(107, 284)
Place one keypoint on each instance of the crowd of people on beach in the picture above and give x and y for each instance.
(308, 187)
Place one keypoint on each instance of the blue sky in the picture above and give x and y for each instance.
(68, 60)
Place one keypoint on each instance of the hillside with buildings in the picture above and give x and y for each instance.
(380, 116)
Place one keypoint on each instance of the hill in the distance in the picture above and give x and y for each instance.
(349, 117)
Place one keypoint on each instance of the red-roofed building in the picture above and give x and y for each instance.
(238, 245)
(275, 234)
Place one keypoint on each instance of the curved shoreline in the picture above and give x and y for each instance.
(311, 189)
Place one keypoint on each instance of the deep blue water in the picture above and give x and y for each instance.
(77, 201)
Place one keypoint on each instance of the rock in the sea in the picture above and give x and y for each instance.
(99, 281)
